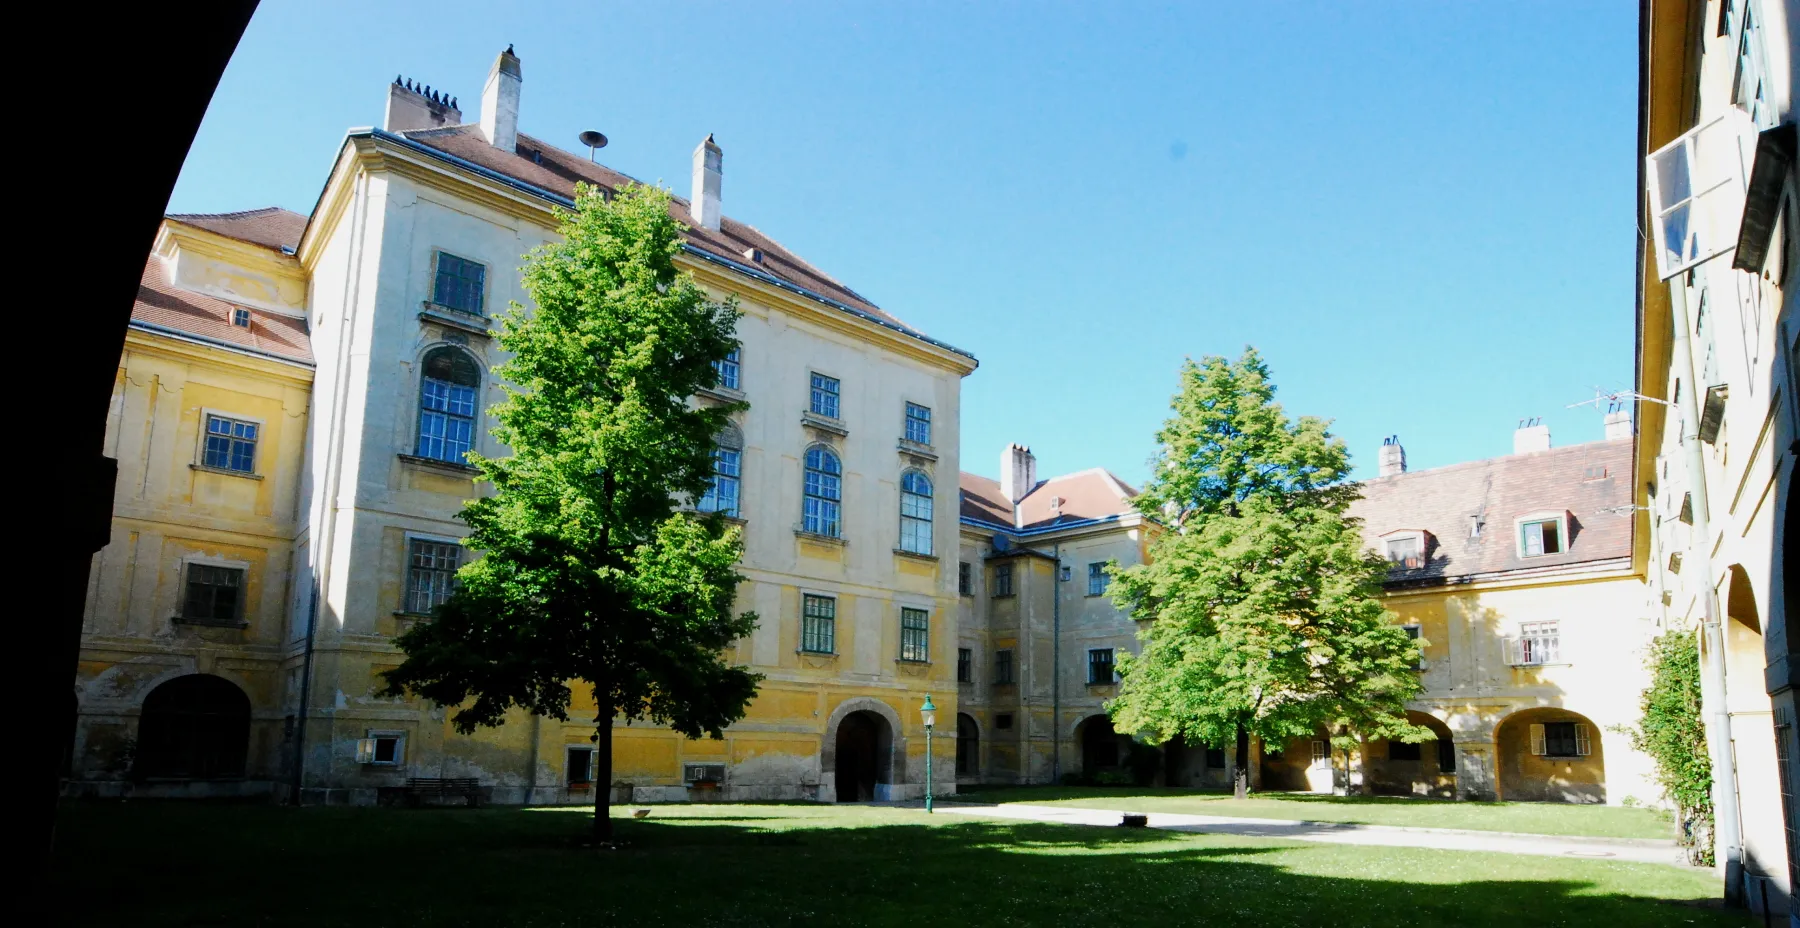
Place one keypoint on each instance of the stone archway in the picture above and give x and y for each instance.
(1549, 755)
(1103, 750)
(194, 727)
(1425, 768)
(863, 762)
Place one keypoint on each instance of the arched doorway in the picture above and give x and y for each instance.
(1424, 768)
(1101, 750)
(865, 744)
(195, 727)
(1550, 755)
(968, 746)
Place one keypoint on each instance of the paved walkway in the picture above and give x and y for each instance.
(1641, 850)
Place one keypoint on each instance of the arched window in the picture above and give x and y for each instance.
(824, 493)
(722, 494)
(194, 727)
(447, 395)
(968, 746)
(915, 512)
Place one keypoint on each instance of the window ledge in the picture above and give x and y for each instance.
(822, 539)
(824, 424)
(1547, 664)
(916, 555)
(448, 467)
(805, 653)
(917, 450)
(404, 614)
(722, 394)
(455, 319)
(225, 471)
(209, 623)
(1002, 595)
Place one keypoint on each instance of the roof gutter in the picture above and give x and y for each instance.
(221, 344)
(567, 203)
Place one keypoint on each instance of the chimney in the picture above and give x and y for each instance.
(1618, 422)
(1393, 457)
(708, 166)
(500, 102)
(1018, 472)
(1532, 435)
(415, 106)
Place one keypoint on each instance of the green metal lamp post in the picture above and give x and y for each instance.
(928, 713)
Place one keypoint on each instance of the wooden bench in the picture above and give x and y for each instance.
(418, 789)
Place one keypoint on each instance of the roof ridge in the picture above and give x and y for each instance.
(1442, 468)
(239, 214)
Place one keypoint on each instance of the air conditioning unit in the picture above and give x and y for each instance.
(703, 773)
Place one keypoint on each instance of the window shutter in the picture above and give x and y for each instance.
(1583, 745)
(1512, 650)
(1537, 740)
(365, 750)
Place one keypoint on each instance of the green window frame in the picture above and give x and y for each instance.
(915, 635)
(818, 624)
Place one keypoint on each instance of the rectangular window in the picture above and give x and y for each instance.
(727, 369)
(1003, 720)
(580, 767)
(240, 318)
(915, 635)
(818, 625)
(382, 749)
(1404, 551)
(1401, 750)
(459, 285)
(1003, 579)
(1321, 753)
(1695, 186)
(965, 665)
(230, 445)
(964, 578)
(1538, 643)
(1215, 758)
(1003, 667)
(1098, 581)
(721, 495)
(430, 573)
(1561, 739)
(825, 396)
(918, 424)
(1100, 666)
(214, 594)
(1413, 632)
(1540, 537)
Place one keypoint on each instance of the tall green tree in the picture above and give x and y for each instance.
(1670, 730)
(589, 572)
(1260, 603)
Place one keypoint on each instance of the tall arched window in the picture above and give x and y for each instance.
(447, 400)
(824, 493)
(915, 512)
(194, 727)
(722, 494)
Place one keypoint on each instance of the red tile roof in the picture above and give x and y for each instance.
(1085, 495)
(270, 227)
(1581, 479)
(160, 304)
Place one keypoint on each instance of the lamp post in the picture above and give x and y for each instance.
(928, 713)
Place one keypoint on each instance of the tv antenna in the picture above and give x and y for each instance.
(594, 141)
(1617, 398)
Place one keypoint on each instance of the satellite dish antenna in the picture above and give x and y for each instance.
(594, 141)
(1002, 543)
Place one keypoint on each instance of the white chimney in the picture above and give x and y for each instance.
(415, 106)
(1018, 472)
(708, 173)
(500, 102)
(1393, 457)
(1618, 423)
(1532, 435)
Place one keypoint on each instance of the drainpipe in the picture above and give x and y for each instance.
(1727, 842)
(1056, 665)
(312, 622)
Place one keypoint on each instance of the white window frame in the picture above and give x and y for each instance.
(1714, 204)
(1537, 644)
(406, 563)
(588, 782)
(836, 394)
(262, 430)
(1418, 537)
(1560, 517)
(906, 421)
(366, 748)
(1098, 578)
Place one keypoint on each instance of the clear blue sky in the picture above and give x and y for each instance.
(1420, 213)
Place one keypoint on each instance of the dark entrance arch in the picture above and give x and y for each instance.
(195, 727)
(968, 746)
(1099, 746)
(865, 744)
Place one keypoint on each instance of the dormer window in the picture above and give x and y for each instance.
(240, 318)
(1405, 548)
(1542, 534)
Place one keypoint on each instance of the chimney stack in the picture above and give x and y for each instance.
(415, 106)
(500, 102)
(1618, 422)
(1393, 457)
(708, 174)
(1018, 472)
(1531, 435)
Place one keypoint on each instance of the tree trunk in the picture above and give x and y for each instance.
(1240, 781)
(603, 731)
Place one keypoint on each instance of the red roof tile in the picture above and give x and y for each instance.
(270, 227)
(1085, 495)
(163, 305)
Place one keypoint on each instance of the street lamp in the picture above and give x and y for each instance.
(928, 713)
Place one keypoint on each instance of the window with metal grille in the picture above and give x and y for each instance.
(965, 665)
(447, 393)
(915, 512)
(726, 369)
(721, 494)
(1539, 537)
(1098, 581)
(230, 445)
(430, 573)
(214, 594)
(915, 635)
(1003, 667)
(824, 493)
(825, 396)
(1003, 579)
(460, 284)
(918, 424)
(580, 767)
(964, 578)
(1100, 666)
(818, 624)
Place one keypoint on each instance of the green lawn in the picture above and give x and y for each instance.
(1541, 818)
(151, 864)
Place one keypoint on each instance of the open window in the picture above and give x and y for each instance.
(1405, 548)
(1543, 533)
(1696, 191)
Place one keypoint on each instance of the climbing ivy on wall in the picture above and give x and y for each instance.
(1670, 731)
